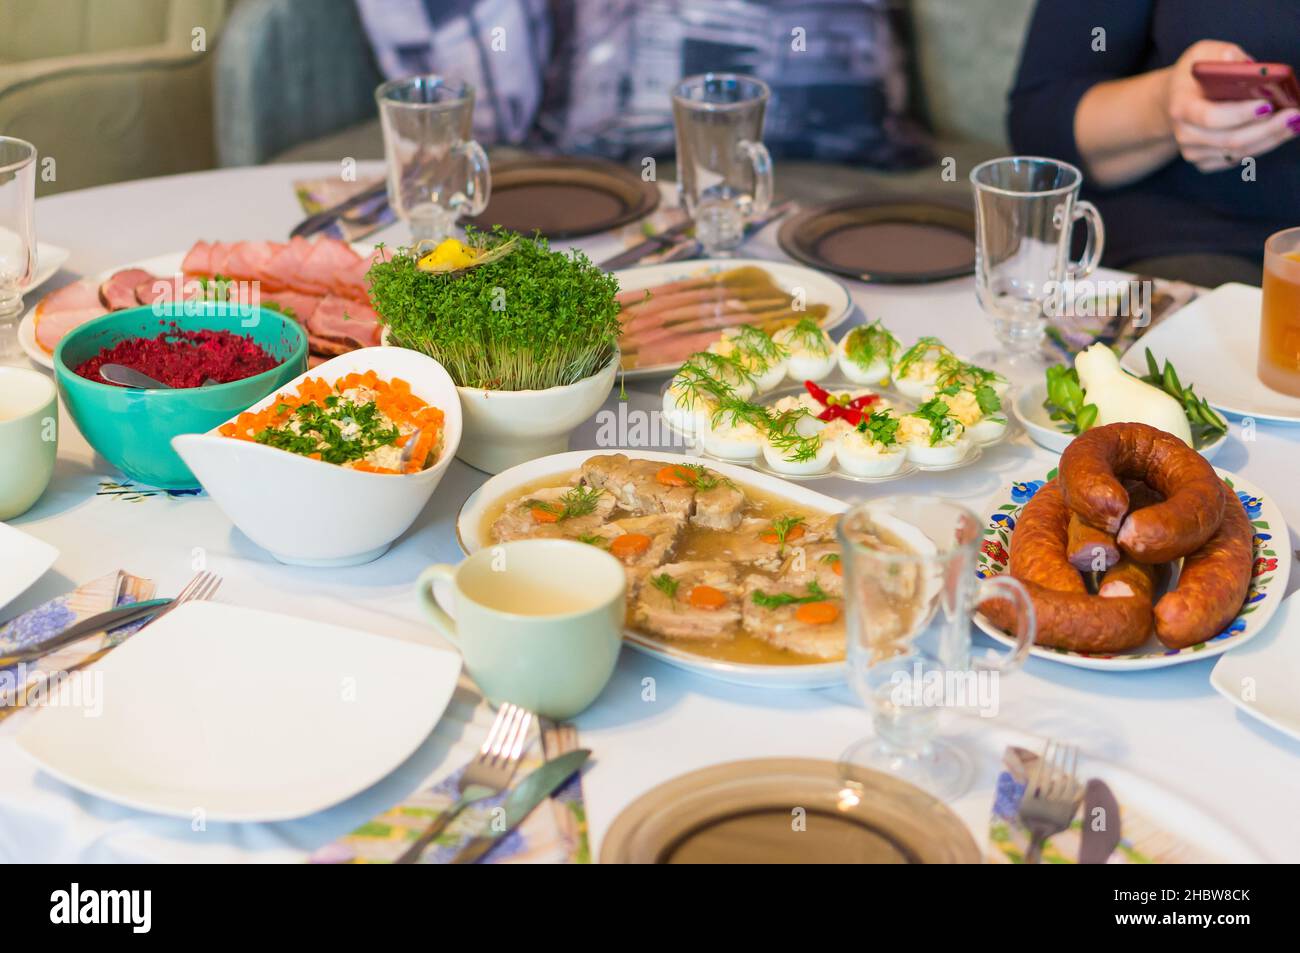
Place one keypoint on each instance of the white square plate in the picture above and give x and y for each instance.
(1214, 345)
(244, 715)
(23, 560)
(1263, 677)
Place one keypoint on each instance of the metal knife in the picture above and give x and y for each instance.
(100, 622)
(528, 793)
(1099, 808)
(685, 247)
(323, 219)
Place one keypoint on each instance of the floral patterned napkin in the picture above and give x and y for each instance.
(1142, 841)
(554, 833)
(1106, 318)
(21, 685)
(316, 195)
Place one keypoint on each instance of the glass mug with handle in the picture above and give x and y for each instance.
(1025, 212)
(724, 172)
(909, 590)
(17, 236)
(437, 173)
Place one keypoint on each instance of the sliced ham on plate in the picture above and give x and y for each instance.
(198, 260)
(350, 282)
(118, 291)
(61, 311)
(174, 288)
(293, 303)
(250, 261)
(327, 258)
(347, 323)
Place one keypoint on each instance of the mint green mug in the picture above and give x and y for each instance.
(29, 438)
(539, 622)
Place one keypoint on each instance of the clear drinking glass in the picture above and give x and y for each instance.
(1025, 211)
(1279, 327)
(436, 172)
(17, 236)
(909, 591)
(724, 172)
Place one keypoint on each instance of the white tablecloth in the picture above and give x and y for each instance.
(1167, 725)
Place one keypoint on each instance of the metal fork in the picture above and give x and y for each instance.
(487, 775)
(204, 585)
(1051, 796)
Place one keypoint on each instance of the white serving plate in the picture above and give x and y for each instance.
(278, 499)
(818, 288)
(511, 482)
(1044, 431)
(1272, 546)
(23, 560)
(164, 266)
(1262, 678)
(1214, 342)
(245, 715)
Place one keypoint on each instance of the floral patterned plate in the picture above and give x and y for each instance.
(1272, 569)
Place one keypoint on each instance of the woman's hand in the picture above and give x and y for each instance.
(1217, 135)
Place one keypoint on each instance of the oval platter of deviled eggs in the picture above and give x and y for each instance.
(799, 405)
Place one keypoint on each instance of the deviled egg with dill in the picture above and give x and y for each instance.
(691, 398)
(978, 409)
(919, 367)
(737, 430)
(812, 352)
(932, 436)
(763, 357)
(728, 370)
(872, 449)
(953, 370)
(866, 354)
(790, 449)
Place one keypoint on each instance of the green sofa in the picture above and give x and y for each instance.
(109, 89)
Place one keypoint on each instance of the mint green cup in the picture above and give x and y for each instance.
(29, 438)
(132, 429)
(539, 622)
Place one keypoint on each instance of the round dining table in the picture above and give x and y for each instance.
(1167, 726)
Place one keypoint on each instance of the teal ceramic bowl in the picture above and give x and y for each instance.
(133, 429)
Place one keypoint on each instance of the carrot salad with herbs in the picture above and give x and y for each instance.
(359, 421)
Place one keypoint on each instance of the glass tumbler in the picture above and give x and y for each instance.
(724, 172)
(436, 172)
(17, 237)
(909, 590)
(1279, 329)
(1025, 212)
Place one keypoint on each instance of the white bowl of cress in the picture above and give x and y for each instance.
(310, 511)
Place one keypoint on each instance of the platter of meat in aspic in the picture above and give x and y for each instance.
(731, 573)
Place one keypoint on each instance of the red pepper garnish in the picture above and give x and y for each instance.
(820, 394)
(861, 403)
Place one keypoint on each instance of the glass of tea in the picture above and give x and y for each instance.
(1279, 327)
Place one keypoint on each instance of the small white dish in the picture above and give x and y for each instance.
(1272, 569)
(1047, 433)
(1214, 343)
(310, 513)
(472, 534)
(23, 560)
(1262, 678)
(817, 288)
(244, 715)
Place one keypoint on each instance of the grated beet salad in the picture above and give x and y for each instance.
(185, 358)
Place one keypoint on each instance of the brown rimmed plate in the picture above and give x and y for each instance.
(900, 242)
(566, 198)
(787, 811)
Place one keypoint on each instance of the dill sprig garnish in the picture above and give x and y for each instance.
(783, 434)
(918, 352)
(775, 600)
(870, 343)
(809, 336)
(578, 501)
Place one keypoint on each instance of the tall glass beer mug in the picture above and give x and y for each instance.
(1279, 331)
(909, 591)
(436, 172)
(1025, 212)
(17, 236)
(724, 172)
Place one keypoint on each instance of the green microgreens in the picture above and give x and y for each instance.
(871, 343)
(942, 424)
(559, 323)
(882, 426)
(776, 600)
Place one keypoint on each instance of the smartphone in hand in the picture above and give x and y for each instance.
(1229, 82)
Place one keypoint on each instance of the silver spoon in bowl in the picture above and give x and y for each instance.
(125, 376)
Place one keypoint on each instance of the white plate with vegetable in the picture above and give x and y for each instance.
(1098, 391)
(1214, 341)
(712, 294)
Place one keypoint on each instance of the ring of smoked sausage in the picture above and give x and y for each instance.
(1095, 462)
